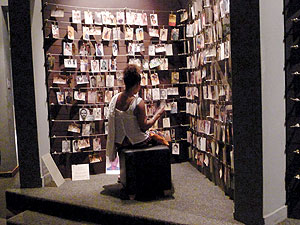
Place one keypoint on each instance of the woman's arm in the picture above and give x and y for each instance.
(143, 120)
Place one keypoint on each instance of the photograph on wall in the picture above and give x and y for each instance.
(84, 113)
(110, 80)
(92, 97)
(108, 96)
(174, 107)
(184, 16)
(144, 19)
(75, 147)
(189, 30)
(79, 96)
(119, 78)
(172, 19)
(93, 81)
(103, 65)
(60, 97)
(130, 49)
(50, 61)
(169, 49)
(88, 17)
(151, 50)
(144, 79)
(98, 18)
(69, 97)
(173, 134)
(175, 148)
(128, 33)
(74, 128)
(163, 34)
(96, 31)
(148, 94)
(153, 32)
(59, 80)
(163, 93)
(85, 33)
(174, 34)
(113, 65)
(135, 18)
(70, 63)
(139, 32)
(166, 122)
(135, 61)
(175, 77)
(99, 49)
(59, 13)
(138, 20)
(84, 63)
(154, 79)
(100, 80)
(84, 143)
(149, 110)
(112, 167)
(153, 20)
(71, 33)
(145, 64)
(95, 66)
(116, 31)
(129, 18)
(55, 31)
(105, 17)
(106, 33)
(67, 48)
(154, 63)
(97, 144)
(160, 48)
(166, 135)
(113, 19)
(120, 18)
(97, 113)
(164, 64)
(86, 128)
(76, 16)
(115, 49)
(156, 94)
(82, 79)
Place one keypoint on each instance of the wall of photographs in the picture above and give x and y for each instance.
(292, 71)
(208, 93)
(87, 49)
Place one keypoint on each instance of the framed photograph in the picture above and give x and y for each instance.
(76, 16)
(88, 17)
(153, 20)
(68, 97)
(57, 13)
(67, 48)
(95, 66)
(110, 80)
(175, 148)
(85, 33)
(129, 18)
(70, 63)
(98, 18)
(144, 19)
(139, 32)
(79, 96)
(75, 128)
(128, 33)
(84, 64)
(96, 147)
(115, 49)
(106, 33)
(116, 33)
(113, 65)
(55, 31)
(120, 18)
(60, 98)
(163, 34)
(97, 113)
(144, 79)
(103, 65)
(172, 20)
(93, 82)
(86, 129)
(153, 32)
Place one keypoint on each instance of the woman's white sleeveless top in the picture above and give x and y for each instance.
(126, 125)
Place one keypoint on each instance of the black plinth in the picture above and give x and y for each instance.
(146, 170)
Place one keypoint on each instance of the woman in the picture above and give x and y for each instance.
(127, 120)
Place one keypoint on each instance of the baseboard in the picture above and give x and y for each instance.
(10, 173)
(277, 216)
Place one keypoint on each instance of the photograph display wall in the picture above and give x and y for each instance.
(208, 92)
(86, 50)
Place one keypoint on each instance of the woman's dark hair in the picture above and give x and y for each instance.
(131, 76)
